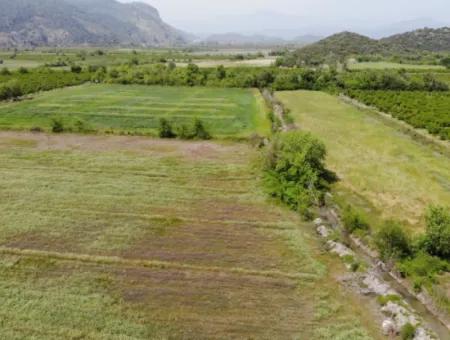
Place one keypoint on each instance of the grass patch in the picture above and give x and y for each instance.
(381, 170)
(138, 109)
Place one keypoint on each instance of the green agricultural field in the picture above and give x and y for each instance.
(384, 65)
(125, 237)
(138, 109)
(381, 170)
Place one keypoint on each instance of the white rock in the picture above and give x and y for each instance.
(389, 327)
(375, 285)
(318, 221)
(340, 249)
(400, 315)
(421, 334)
(323, 231)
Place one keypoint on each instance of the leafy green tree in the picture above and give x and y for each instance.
(295, 172)
(221, 73)
(437, 238)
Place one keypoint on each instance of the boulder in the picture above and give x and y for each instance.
(389, 328)
(377, 286)
(323, 231)
(340, 249)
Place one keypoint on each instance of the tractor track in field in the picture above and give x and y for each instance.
(156, 264)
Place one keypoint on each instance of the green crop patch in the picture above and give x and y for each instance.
(138, 109)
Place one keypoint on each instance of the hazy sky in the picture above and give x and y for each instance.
(210, 16)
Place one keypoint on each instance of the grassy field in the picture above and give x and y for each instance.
(383, 65)
(382, 170)
(138, 109)
(125, 237)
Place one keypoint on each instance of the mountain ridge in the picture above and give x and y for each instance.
(27, 23)
(345, 44)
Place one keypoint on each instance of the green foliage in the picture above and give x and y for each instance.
(446, 62)
(423, 110)
(437, 238)
(295, 172)
(57, 125)
(200, 130)
(165, 129)
(10, 89)
(354, 220)
(5, 72)
(384, 299)
(75, 69)
(395, 80)
(392, 241)
(407, 332)
(16, 84)
(423, 265)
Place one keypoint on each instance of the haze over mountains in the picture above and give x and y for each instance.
(31, 23)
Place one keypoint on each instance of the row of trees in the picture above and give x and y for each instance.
(273, 77)
(16, 84)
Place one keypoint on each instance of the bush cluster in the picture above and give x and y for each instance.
(421, 257)
(195, 131)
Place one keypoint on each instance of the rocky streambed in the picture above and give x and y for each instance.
(368, 276)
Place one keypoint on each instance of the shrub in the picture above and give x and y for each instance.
(423, 265)
(437, 238)
(295, 171)
(199, 131)
(5, 72)
(165, 129)
(354, 220)
(392, 241)
(183, 132)
(23, 70)
(75, 69)
(57, 125)
(408, 332)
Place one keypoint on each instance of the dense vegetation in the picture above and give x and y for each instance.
(425, 110)
(295, 172)
(22, 82)
(272, 77)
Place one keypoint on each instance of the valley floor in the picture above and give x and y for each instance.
(128, 237)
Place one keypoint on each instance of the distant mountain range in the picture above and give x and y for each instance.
(346, 44)
(29, 23)
(236, 39)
